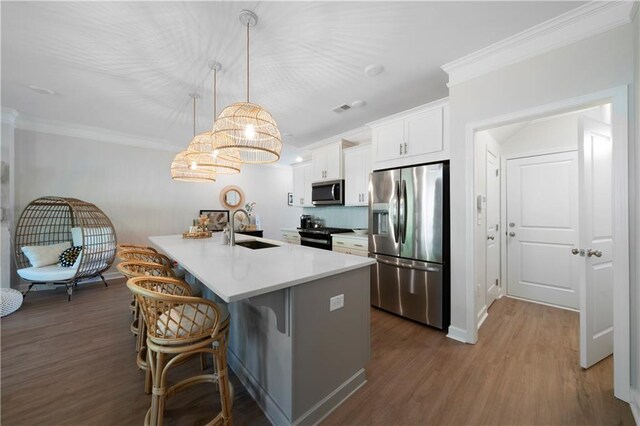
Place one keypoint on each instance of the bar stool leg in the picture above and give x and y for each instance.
(158, 393)
(223, 383)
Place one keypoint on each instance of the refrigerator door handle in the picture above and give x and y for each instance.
(404, 211)
(396, 226)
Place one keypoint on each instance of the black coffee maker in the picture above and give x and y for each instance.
(305, 221)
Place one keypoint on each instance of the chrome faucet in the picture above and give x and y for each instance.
(232, 232)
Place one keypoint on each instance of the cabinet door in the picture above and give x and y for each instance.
(298, 185)
(319, 161)
(423, 133)
(333, 167)
(367, 167)
(389, 139)
(308, 179)
(353, 178)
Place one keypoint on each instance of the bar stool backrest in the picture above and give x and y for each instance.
(172, 317)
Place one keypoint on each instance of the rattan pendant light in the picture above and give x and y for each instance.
(203, 152)
(247, 127)
(184, 171)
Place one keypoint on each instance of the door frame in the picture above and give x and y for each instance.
(618, 98)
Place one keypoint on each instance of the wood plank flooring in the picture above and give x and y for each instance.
(72, 363)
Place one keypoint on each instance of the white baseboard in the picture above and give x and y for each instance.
(458, 334)
(542, 303)
(635, 405)
(482, 316)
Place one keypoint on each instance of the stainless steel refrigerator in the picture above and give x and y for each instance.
(409, 238)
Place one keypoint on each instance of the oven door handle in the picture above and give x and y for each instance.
(314, 240)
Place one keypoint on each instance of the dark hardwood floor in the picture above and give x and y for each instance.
(72, 363)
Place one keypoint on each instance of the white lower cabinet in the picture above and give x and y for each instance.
(351, 244)
(290, 236)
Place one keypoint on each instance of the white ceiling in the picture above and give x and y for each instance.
(129, 66)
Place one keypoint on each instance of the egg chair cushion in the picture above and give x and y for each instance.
(48, 273)
(45, 255)
(69, 256)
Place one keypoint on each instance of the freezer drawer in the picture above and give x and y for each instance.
(408, 288)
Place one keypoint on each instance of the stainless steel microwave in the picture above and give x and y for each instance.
(328, 192)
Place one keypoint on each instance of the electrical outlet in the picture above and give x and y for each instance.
(336, 302)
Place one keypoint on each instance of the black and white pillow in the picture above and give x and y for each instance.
(69, 256)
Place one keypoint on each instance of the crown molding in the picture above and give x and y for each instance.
(60, 128)
(9, 116)
(580, 23)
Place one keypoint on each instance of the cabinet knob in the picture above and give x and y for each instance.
(405, 148)
(400, 149)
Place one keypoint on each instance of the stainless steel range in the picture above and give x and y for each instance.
(319, 237)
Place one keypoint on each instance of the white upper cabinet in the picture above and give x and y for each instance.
(302, 178)
(357, 167)
(327, 161)
(413, 137)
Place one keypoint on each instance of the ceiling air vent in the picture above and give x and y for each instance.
(341, 108)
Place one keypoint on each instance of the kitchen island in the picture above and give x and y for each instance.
(296, 352)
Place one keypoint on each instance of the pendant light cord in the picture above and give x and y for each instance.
(215, 100)
(248, 62)
(194, 116)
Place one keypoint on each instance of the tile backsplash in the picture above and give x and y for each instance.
(340, 216)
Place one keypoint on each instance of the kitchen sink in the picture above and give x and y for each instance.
(255, 244)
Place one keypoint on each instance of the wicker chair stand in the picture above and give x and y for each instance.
(52, 220)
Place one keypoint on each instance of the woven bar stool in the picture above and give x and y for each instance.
(138, 268)
(126, 246)
(155, 257)
(179, 327)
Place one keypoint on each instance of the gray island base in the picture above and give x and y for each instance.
(297, 354)
(297, 359)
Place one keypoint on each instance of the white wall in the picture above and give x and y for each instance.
(635, 230)
(547, 135)
(601, 62)
(133, 185)
(7, 195)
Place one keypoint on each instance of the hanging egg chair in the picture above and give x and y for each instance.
(63, 241)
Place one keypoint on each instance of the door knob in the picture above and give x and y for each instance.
(512, 234)
(575, 251)
(490, 237)
(596, 253)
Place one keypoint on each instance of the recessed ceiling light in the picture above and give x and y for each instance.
(373, 70)
(299, 159)
(41, 90)
(358, 103)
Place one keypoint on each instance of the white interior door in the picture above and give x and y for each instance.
(596, 241)
(542, 228)
(493, 226)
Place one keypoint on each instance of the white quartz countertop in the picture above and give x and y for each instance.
(236, 273)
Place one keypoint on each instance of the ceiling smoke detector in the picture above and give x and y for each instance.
(373, 70)
(341, 108)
